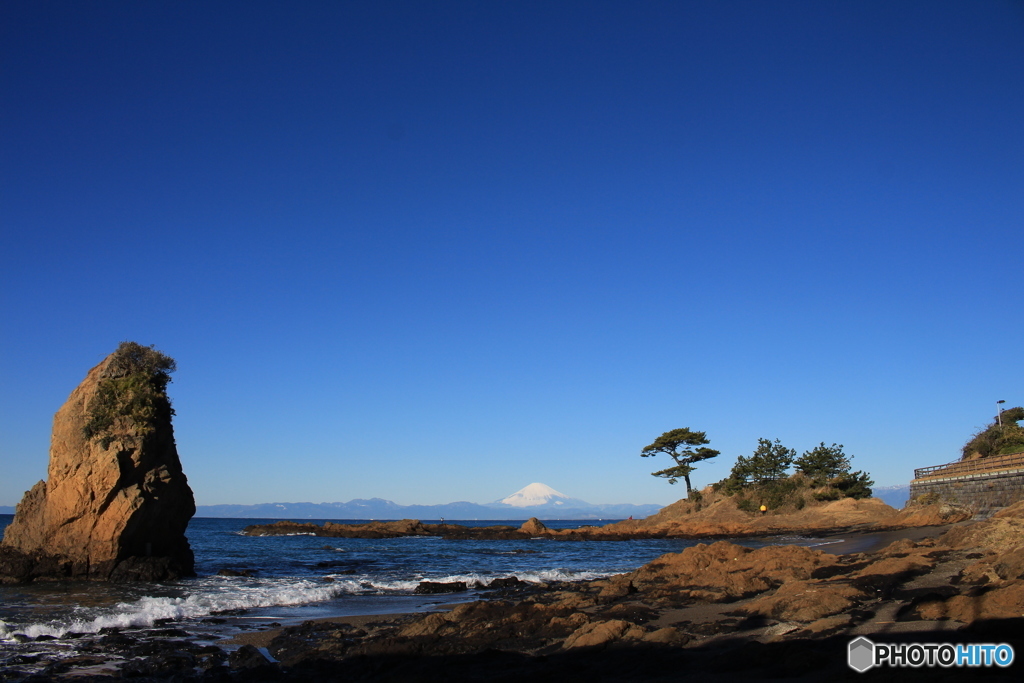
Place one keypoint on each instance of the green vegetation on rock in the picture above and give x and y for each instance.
(998, 439)
(131, 396)
(853, 484)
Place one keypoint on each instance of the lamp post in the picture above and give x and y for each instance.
(999, 415)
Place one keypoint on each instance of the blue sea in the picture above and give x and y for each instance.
(304, 577)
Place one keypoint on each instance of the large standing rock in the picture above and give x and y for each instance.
(116, 502)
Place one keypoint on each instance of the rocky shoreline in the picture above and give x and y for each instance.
(715, 611)
(531, 529)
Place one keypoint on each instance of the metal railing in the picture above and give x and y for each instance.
(963, 468)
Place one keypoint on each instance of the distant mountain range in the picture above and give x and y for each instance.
(535, 500)
(896, 496)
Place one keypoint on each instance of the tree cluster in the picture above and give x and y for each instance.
(767, 468)
(825, 467)
(769, 462)
(996, 438)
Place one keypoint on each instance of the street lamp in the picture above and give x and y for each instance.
(999, 415)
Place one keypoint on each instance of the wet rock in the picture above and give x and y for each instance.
(145, 569)
(248, 573)
(211, 661)
(24, 567)
(135, 668)
(248, 657)
(434, 587)
(293, 645)
(167, 632)
(117, 642)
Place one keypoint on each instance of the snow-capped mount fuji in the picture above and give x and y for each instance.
(540, 500)
(537, 494)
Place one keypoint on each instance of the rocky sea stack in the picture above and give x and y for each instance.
(116, 503)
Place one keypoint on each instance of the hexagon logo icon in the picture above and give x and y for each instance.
(861, 654)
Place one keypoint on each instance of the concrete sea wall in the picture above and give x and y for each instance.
(985, 485)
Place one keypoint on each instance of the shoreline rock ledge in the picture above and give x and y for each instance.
(116, 502)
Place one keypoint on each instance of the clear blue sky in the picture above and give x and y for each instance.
(435, 251)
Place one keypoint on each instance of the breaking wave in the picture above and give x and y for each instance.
(220, 595)
(145, 612)
(543, 576)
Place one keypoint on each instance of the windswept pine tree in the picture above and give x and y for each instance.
(685, 447)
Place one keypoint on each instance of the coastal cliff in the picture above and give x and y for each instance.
(116, 502)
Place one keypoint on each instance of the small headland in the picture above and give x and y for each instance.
(711, 516)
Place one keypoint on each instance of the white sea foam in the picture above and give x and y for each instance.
(146, 611)
(219, 594)
(409, 585)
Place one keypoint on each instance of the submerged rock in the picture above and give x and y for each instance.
(433, 587)
(116, 502)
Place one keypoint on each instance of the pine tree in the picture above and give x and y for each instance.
(686, 447)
